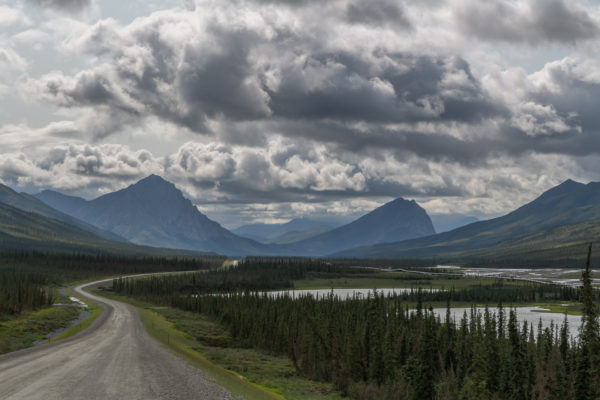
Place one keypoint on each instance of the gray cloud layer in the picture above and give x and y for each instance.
(69, 6)
(308, 102)
(531, 21)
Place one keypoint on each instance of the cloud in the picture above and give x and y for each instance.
(529, 21)
(378, 13)
(68, 6)
(12, 16)
(82, 169)
(266, 104)
(12, 65)
(190, 69)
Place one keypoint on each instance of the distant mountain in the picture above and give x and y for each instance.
(448, 222)
(558, 215)
(297, 236)
(292, 231)
(154, 212)
(22, 230)
(26, 202)
(397, 220)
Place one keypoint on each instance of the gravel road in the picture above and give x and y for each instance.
(113, 359)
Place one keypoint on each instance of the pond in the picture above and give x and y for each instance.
(343, 293)
(530, 314)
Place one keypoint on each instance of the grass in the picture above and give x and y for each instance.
(571, 308)
(95, 311)
(20, 332)
(249, 373)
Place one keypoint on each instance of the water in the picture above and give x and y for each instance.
(530, 314)
(342, 293)
(562, 276)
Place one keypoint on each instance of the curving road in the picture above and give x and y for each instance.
(113, 359)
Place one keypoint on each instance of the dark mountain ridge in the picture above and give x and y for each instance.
(30, 231)
(153, 212)
(28, 203)
(394, 221)
(569, 203)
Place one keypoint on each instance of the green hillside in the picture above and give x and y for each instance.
(553, 228)
(22, 230)
(26, 202)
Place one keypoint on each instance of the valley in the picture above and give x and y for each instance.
(299, 312)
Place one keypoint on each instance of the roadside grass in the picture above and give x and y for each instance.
(249, 373)
(95, 311)
(20, 332)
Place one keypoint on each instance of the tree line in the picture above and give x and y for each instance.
(27, 278)
(62, 268)
(379, 348)
(20, 291)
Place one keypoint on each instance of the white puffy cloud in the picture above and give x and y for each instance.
(11, 66)
(12, 16)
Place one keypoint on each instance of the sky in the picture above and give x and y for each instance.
(267, 110)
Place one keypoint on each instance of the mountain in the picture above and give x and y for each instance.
(26, 202)
(448, 222)
(154, 212)
(292, 231)
(557, 216)
(297, 236)
(397, 220)
(23, 230)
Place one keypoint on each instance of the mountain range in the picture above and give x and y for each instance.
(558, 224)
(293, 231)
(394, 221)
(29, 231)
(26, 202)
(154, 212)
(448, 222)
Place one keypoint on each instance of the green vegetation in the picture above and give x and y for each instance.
(374, 279)
(20, 332)
(207, 345)
(30, 231)
(28, 283)
(378, 348)
(20, 291)
(62, 269)
(94, 309)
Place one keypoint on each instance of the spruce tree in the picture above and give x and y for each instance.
(586, 368)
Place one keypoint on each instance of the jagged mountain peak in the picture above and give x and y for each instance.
(154, 212)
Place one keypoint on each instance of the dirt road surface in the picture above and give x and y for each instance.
(113, 359)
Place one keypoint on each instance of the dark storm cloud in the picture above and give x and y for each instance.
(226, 80)
(538, 21)
(378, 13)
(411, 88)
(69, 6)
(223, 83)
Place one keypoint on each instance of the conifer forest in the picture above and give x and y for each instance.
(394, 347)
